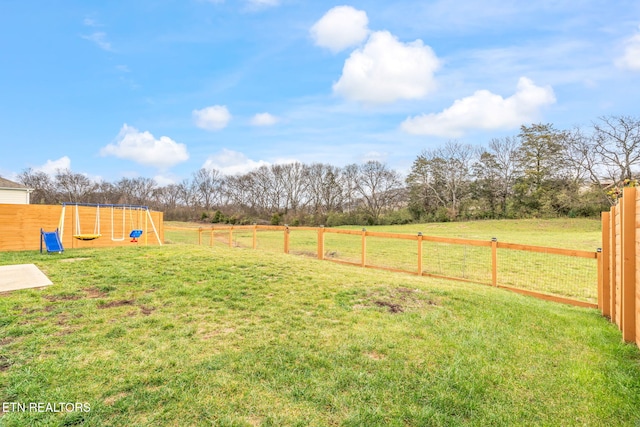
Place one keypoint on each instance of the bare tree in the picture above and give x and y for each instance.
(441, 177)
(166, 198)
(496, 171)
(75, 187)
(138, 191)
(616, 141)
(296, 184)
(44, 189)
(207, 183)
(349, 181)
(379, 187)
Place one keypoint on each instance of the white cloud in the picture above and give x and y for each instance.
(264, 119)
(386, 70)
(631, 58)
(340, 28)
(100, 39)
(164, 180)
(144, 148)
(484, 110)
(51, 167)
(256, 5)
(90, 22)
(263, 3)
(374, 156)
(230, 162)
(215, 117)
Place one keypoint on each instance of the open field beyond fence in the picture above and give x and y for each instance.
(564, 275)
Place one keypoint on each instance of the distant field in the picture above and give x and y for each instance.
(185, 335)
(569, 233)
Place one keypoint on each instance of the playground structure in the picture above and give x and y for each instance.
(22, 226)
(135, 221)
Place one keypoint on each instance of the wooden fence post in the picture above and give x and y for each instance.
(199, 236)
(420, 254)
(494, 261)
(604, 278)
(628, 297)
(613, 267)
(286, 239)
(321, 242)
(211, 237)
(255, 236)
(363, 260)
(231, 236)
(600, 269)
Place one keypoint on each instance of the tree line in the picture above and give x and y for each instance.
(541, 171)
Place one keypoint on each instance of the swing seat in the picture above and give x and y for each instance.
(134, 235)
(87, 236)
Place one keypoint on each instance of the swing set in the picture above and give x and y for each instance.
(118, 220)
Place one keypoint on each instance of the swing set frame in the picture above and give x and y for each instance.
(135, 232)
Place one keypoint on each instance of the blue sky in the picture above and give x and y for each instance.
(161, 88)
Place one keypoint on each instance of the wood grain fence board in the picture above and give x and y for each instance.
(340, 231)
(605, 295)
(392, 235)
(548, 297)
(547, 250)
(456, 241)
(628, 297)
(618, 264)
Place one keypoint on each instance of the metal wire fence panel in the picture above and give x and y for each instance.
(343, 247)
(392, 253)
(458, 261)
(567, 276)
(564, 274)
(303, 242)
(270, 240)
(241, 238)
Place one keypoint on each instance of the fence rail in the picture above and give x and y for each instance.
(561, 275)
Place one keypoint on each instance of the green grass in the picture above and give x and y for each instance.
(564, 276)
(184, 335)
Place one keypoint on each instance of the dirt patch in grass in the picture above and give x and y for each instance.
(393, 307)
(374, 355)
(117, 303)
(206, 335)
(70, 297)
(94, 293)
(254, 421)
(396, 300)
(5, 363)
(331, 254)
(146, 310)
(113, 399)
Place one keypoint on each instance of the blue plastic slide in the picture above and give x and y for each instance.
(51, 240)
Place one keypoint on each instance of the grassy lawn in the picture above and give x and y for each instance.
(183, 335)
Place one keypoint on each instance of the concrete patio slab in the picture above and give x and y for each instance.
(22, 276)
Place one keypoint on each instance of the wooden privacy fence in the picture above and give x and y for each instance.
(20, 226)
(562, 275)
(620, 297)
